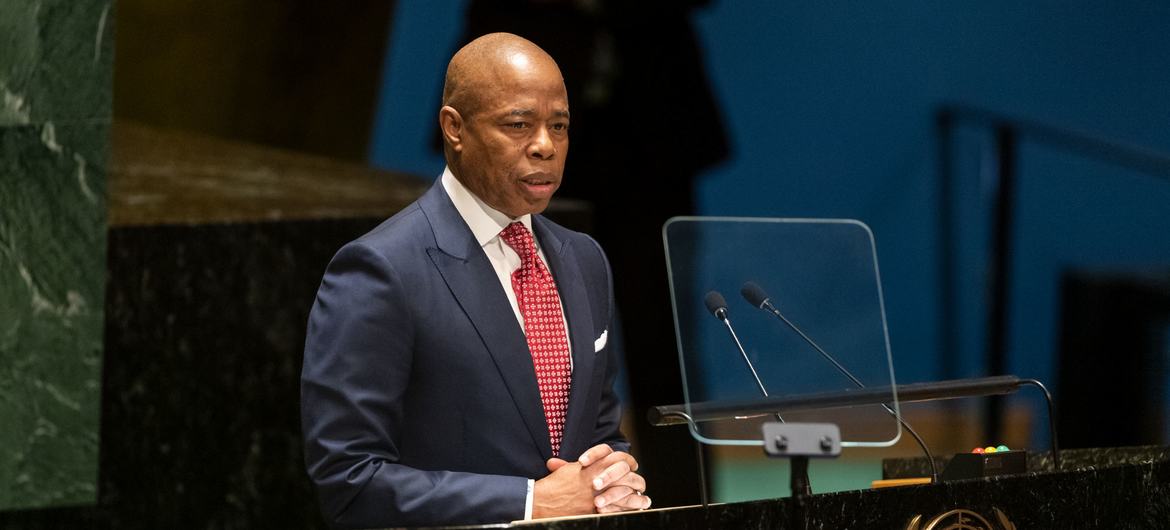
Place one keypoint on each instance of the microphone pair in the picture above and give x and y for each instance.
(756, 296)
(751, 292)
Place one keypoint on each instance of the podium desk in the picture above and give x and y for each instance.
(1119, 488)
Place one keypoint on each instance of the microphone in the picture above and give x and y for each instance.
(717, 305)
(756, 296)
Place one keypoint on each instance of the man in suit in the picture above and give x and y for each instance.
(457, 366)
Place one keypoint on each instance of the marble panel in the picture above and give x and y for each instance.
(1070, 460)
(205, 327)
(204, 331)
(52, 269)
(55, 67)
(56, 61)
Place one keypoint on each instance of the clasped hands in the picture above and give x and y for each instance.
(600, 481)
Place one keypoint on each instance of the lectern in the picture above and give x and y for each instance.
(1107, 489)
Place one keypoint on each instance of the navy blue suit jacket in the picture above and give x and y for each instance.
(419, 402)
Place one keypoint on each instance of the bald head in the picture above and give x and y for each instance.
(505, 123)
(486, 65)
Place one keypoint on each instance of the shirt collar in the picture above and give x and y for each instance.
(485, 222)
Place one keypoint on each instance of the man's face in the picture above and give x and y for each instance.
(513, 147)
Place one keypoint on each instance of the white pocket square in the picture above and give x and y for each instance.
(600, 342)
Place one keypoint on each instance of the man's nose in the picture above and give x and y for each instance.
(542, 145)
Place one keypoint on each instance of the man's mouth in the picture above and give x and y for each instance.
(538, 179)
(539, 184)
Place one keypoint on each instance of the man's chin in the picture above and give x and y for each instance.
(536, 207)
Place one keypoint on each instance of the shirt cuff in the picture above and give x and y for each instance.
(528, 500)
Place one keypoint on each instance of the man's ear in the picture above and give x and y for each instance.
(451, 124)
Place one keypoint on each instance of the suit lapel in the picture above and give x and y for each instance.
(473, 281)
(563, 263)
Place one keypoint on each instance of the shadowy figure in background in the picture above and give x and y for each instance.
(645, 124)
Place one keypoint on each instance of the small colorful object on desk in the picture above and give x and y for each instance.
(987, 461)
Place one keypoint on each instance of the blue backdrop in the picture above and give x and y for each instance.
(830, 111)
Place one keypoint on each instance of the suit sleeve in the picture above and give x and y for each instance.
(358, 354)
(609, 412)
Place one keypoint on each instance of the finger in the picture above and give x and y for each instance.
(629, 502)
(613, 458)
(624, 457)
(554, 464)
(612, 495)
(610, 475)
(594, 454)
(631, 480)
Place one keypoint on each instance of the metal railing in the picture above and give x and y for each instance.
(1008, 132)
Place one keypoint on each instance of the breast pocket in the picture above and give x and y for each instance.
(600, 342)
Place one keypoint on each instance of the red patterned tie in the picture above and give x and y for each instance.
(536, 294)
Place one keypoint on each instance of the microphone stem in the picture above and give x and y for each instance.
(767, 306)
(922, 444)
(760, 384)
(771, 308)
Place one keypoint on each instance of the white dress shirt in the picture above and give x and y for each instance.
(486, 223)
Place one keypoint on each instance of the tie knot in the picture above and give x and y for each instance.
(517, 236)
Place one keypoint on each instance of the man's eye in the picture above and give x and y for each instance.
(518, 125)
(560, 126)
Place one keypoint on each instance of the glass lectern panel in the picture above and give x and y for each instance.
(821, 333)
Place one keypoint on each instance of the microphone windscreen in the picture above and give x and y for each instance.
(715, 302)
(754, 294)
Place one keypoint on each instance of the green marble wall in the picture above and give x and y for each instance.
(55, 77)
